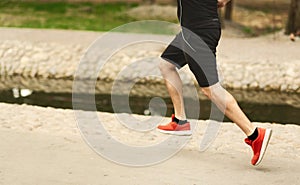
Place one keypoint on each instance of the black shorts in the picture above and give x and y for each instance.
(198, 50)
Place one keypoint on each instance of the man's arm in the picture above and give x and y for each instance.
(222, 3)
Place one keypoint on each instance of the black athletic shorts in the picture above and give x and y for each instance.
(198, 50)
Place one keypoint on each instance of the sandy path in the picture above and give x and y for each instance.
(35, 158)
(43, 146)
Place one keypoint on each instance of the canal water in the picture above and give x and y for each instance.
(285, 112)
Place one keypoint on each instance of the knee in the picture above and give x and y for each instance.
(216, 94)
(166, 67)
(207, 92)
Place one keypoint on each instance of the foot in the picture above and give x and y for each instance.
(259, 145)
(175, 128)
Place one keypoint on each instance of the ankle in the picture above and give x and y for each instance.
(180, 121)
(180, 117)
(253, 135)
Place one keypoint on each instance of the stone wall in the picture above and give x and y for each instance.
(56, 61)
(36, 56)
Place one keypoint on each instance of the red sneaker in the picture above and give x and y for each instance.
(175, 129)
(259, 145)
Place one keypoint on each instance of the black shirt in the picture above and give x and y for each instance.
(198, 14)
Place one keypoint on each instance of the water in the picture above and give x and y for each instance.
(284, 112)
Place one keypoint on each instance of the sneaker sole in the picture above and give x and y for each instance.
(266, 140)
(178, 133)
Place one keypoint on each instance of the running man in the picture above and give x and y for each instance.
(201, 18)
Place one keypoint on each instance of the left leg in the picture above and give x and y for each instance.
(228, 105)
(203, 65)
(258, 138)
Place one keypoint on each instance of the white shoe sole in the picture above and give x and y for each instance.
(264, 146)
(178, 133)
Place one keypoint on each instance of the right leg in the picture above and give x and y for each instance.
(174, 86)
(174, 57)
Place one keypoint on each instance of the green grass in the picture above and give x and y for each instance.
(83, 16)
(75, 16)
(63, 15)
(249, 31)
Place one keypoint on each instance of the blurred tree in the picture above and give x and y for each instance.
(293, 24)
(228, 10)
(221, 18)
(226, 14)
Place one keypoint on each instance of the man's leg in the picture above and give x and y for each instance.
(178, 125)
(258, 138)
(174, 86)
(228, 105)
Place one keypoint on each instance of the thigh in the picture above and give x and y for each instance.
(201, 55)
(174, 54)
